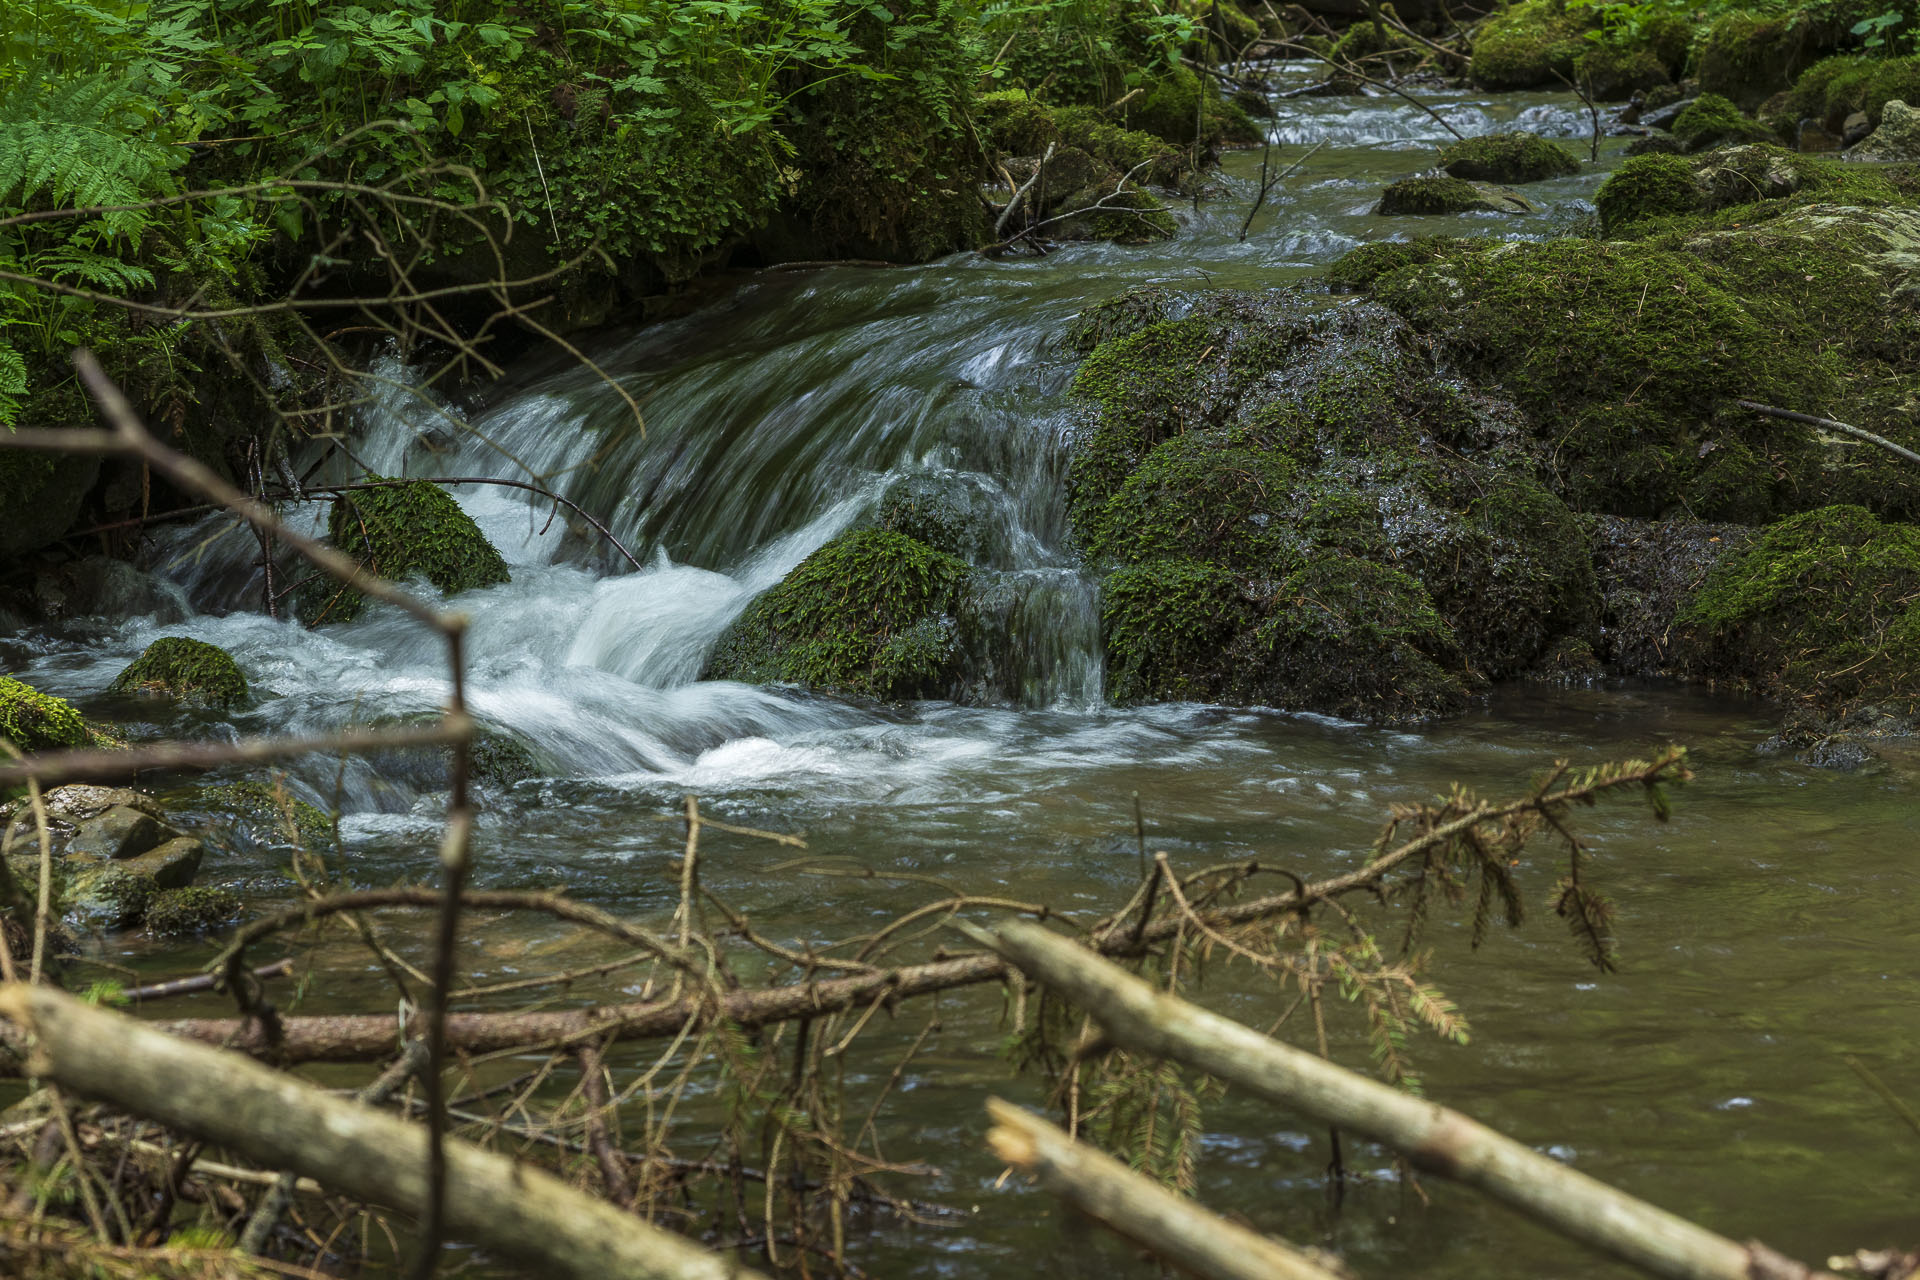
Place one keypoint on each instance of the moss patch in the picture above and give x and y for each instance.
(187, 670)
(1614, 74)
(1508, 157)
(1528, 45)
(183, 912)
(1648, 186)
(1437, 196)
(290, 819)
(1359, 267)
(869, 614)
(1713, 121)
(35, 721)
(408, 529)
(1823, 608)
(1168, 626)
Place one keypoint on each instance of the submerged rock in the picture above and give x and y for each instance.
(110, 896)
(185, 670)
(409, 529)
(1508, 157)
(270, 814)
(1427, 196)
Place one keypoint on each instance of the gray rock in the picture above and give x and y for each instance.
(171, 866)
(121, 832)
(83, 800)
(1857, 126)
(1663, 117)
(110, 897)
(1897, 138)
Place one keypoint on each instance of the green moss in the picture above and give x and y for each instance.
(1168, 627)
(187, 670)
(1649, 186)
(1669, 36)
(1507, 157)
(1129, 151)
(1749, 57)
(183, 912)
(1435, 196)
(1129, 216)
(867, 614)
(940, 511)
(291, 819)
(1359, 267)
(1176, 103)
(1527, 45)
(406, 530)
(1823, 608)
(1200, 496)
(1118, 316)
(500, 759)
(1364, 40)
(35, 721)
(1613, 74)
(1148, 385)
(1714, 121)
(110, 896)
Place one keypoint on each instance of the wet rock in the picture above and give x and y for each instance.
(943, 511)
(1811, 137)
(1654, 144)
(110, 897)
(98, 586)
(1853, 740)
(185, 670)
(172, 865)
(1897, 139)
(118, 833)
(1663, 115)
(35, 721)
(1648, 571)
(1434, 196)
(184, 912)
(270, 814)
(1856, 127)
(412, 528)
(82, 800)
(1507, 158)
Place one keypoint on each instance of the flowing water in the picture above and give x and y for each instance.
(1766, 931)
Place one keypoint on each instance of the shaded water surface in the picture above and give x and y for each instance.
(1766, 930)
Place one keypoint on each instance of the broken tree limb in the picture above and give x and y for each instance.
(1132, 1205)
(279, 1121)
(1788, 415)
(1437, 1140)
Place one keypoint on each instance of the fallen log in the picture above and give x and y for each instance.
(1437, 1140)
(281, 1122)
(1132, 1205)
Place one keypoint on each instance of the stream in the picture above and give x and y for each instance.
(1765, 932)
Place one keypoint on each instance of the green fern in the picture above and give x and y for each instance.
(13, 385)
(82, 142)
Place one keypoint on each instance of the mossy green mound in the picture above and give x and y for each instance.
(1180, 108)
(1713, 121)
(1364, 40)
(942, 511)
(177, 913)
(1834, 88)
(1436, 196)
(1614, 74)
(870, 613)
(35, 721)
(273, 810)
(1648, 186)
(1629, 356)
(402, 531)
(1508, 157)
(186, 670)
(1359, 267)
(1252, 458)
(1749, 56)
(1528, 45)
(1646, 193)
(1823, 608)
(1016, 125)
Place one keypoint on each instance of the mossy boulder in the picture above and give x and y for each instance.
(1822, 609)
(406, 530)
(1364, 40)
(185, 670)
(270, 812)
(1360, 266)
(1655, 189)
(1833, 89)
(40, 496)
(1897, 139)
(1177, 103)
(35, 721)
(942, 511)
(1438, 196)
(1714, 121)
(1508, 157)
(1528, 45)
(176, 913)
(1748, 56)
(1648, 186)
(870, 614)
(1015, 125)
(1613, 74)
(109, 896)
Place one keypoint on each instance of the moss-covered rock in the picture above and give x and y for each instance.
(1177, 103)
(109, 897)
(1648, 186)
(1713, 121)
(1168, 627)
(40, 494)
(870, 613)
(1507, 157)
(1613, 74)
(1016, 125)
(1834, 88)
(1528, 45)
(1360, 266)
(942, 511)
(1823, 608)
(271, 812)
(177, 913)
(499, 759)
(1658, 188)
(185, 670)
(1436, 196)
(408, 529)
(1748, 57)
(1364, 40)
(35, 721)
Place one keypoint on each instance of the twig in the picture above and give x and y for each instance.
(1000, 224)
(1812, 421)
(1268, 184)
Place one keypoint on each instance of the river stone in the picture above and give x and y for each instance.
(81, 800)
(172, 865)
(110, 897)
(1438, 196)
(1663, 117)
(1897, 138)
(120, 832)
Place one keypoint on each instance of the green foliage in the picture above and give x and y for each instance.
(399, 531)
(868, 614)
(185, 669)
(35, 721)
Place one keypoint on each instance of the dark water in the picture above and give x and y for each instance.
(1765, 931)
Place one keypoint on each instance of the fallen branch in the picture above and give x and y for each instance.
(275, 1119)
(1438, 1141)
(1000, 224)
(1133, 1205)
(1768, 411)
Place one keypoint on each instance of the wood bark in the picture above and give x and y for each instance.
(1135, 1206)
(1437, 1140)
(281, 1122)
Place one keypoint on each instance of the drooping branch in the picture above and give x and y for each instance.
(1437, 1140)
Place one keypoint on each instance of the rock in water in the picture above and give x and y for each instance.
(185, 670)
(1897, 138)
(1431, 196)
(1508, 157)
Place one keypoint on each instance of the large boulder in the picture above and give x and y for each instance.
(1528, 45)
(1896, 139)
(185, 670)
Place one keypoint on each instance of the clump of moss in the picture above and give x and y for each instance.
(110, 896)
(867, 614)
(1176, 103)
(1199, 496)
(940, 511)
(35, 721)
(1118, 316)
(290, 818)
(500, 759)
(408, 529)
(1531, 44)
(186, 670)
(1517, 156)
(1749, 57)
(1823, 608)
(1435, 196)
(1014, 124)
(1645, 193)
(1365, 40)
(1648, 186)
(1168, 626)
(1360, 266)
(177, 913)
(1614, 74)
(1713, 121)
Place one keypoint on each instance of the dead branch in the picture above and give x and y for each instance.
(1767, 410)
(1437, 1140)
(1133, 1205)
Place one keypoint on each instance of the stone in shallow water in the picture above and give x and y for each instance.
(1433, 196)
(172, 865)
(120, 832)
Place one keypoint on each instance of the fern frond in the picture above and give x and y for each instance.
(82, 142)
